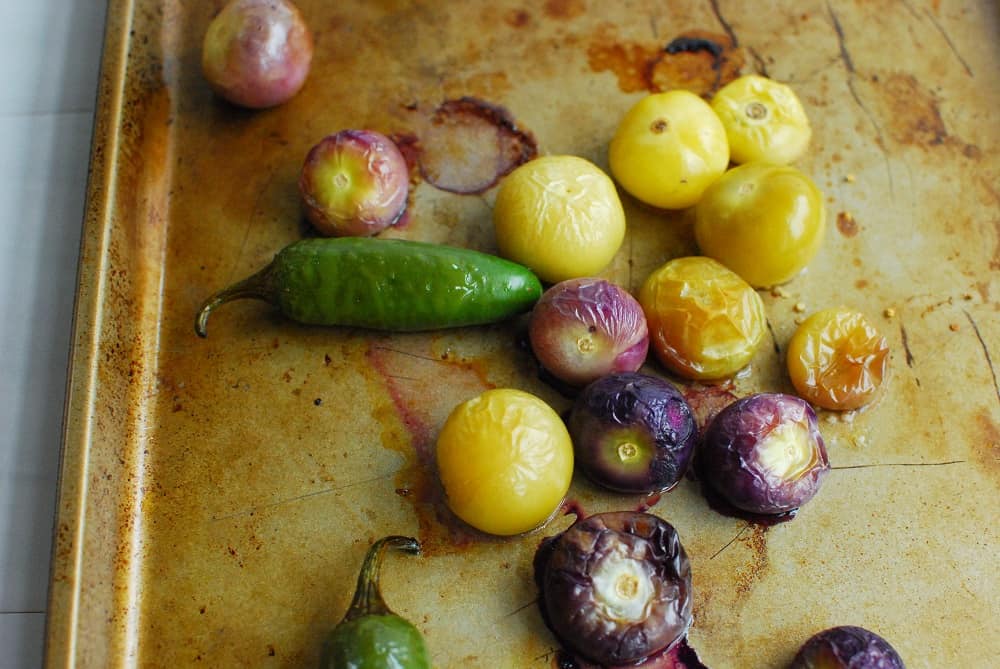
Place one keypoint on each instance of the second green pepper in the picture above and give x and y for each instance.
(371, 636)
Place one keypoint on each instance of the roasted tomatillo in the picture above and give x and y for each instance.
(668, 149)
(765, 222)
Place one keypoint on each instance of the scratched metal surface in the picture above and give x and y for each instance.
(217, 495)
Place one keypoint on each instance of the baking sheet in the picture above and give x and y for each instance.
(217, 495)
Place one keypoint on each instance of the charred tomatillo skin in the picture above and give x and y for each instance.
(371, 636)
(385, 284)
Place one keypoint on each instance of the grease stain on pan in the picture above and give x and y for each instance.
(707, 401)
(986, 444)
(697, 60)
(413, 379)
(466, 145)
(749, 574)
(916, 115)
(470, 144)
(564, 9)
(517, 18)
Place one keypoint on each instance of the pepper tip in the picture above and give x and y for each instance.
(201, 321)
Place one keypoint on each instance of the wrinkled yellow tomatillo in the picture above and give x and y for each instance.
(505, 460)
(837, 359)
(668, 149)
(560, 216)
(764, 120)
(705, 322)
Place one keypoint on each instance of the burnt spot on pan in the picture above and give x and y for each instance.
(687, 44)
(847, 224)
(697, 60)
(466, 146)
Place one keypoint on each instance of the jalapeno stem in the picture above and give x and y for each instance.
(368, 597)
(258, 286)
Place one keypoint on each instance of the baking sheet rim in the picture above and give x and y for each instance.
(68, 567)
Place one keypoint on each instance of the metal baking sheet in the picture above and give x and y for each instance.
(217, 495)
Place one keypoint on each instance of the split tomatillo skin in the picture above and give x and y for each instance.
(616, 587)
(385, 284)
(371, 636)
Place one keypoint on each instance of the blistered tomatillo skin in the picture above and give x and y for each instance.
(257, 53)
(668, 148)
(616, 587)
(764, 453)
(847, 647)
(354, 183)
(582, 329)
(764, 120)
(505, 460)
(705, 322)
(764, 222)
(632, 433)
(837, 359)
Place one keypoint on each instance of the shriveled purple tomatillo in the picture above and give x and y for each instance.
(847, 647)
(616, 587)
(632, 433)
(764, 453)
(585, 328)
(354, 183)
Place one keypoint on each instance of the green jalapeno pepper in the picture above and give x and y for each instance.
(385, 284)
(371, 636)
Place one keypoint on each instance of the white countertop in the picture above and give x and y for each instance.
(49, 58)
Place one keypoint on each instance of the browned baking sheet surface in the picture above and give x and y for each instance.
(218, 495)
